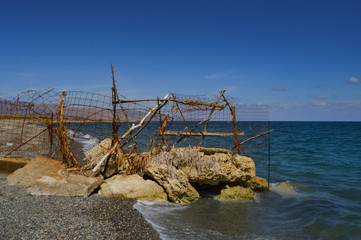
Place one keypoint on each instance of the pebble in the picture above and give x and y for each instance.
(24, 216)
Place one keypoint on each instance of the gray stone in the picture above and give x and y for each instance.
(175, 183)
(258, 184)
(133, 186)
(236, 193)
(44, 176)
(208, 167)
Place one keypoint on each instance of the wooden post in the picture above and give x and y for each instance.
(114, 102)
(130, 130)
(233, 112)
(68, 157)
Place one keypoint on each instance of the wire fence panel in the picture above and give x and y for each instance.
(28, 123)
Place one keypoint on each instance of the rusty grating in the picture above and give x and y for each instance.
(28, 123)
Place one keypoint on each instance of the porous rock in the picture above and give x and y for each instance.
(44, 176)
(283, 187)
(208, 166)
(258, 184)
(175, 183)
(236, 193)
(133, 186)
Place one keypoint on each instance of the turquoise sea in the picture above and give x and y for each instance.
(321, 160)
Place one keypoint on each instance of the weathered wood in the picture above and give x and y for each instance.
(96, 168)
(232, 110)
(68, 157)
(192, 102)
(187, 102)
(200, 134)
(259, 135)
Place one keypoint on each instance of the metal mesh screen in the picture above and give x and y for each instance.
(27, 124)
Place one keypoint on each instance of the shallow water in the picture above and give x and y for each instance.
(321, 160)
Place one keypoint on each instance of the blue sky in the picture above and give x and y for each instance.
(300, 57)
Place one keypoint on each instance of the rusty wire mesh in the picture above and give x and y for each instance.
(27, 124)
(24, 131)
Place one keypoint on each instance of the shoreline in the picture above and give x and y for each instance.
(59, 217)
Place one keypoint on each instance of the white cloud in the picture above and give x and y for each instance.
(353, 80)
(318, 103)
(221, 75)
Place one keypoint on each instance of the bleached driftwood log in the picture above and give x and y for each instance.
(96, 168)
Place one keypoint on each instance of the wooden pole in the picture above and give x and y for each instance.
(232, 110)
(201, 134)
(259, 135)
(96, 168)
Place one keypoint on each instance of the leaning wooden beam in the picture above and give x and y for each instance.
(187, 102)
(232, 110)
(200, 134)
(195, 103)
(96, 168)
(259, 135)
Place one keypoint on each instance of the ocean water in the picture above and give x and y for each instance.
(321, 160)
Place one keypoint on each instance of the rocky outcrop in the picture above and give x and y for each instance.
(175, 183)
(44, 176)
(93, 156)
(236, 193)
(258, 184)
(246, 166)
(133, 186)
(285, 190)
(284, 186)
(208, 166)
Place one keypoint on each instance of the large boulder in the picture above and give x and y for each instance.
(133, 186)
(286, 190)
(236, 193)
(246, 166)
(258, 184)
(44, 176)
(208, 166)
(175, 183)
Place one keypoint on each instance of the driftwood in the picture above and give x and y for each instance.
(195, 103)
(186, 102)
(68, 157)
(232, 110)
(200, 134)
(259, 135)
(96, 168)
